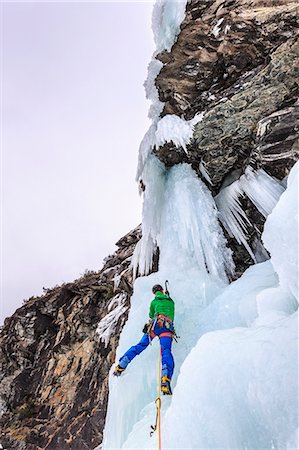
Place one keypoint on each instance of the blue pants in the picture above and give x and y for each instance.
(165, 343)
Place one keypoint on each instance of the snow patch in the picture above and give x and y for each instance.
(217, 28)
(107, 325)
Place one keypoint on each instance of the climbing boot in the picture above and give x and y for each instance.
(165, 386)
(118, 371)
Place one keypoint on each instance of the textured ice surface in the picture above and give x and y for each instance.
(132, 396)
(166, 21)
(154, 179)
(281, 235)
(236, 370)
(245, 395)
(180, 201)
(235, 382)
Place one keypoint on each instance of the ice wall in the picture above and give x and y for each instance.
(235, 381)
(193, 257)
(281, 235)
(235, 385)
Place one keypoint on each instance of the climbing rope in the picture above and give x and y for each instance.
(157, 425)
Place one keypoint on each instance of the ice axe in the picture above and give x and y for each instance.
(166, 288)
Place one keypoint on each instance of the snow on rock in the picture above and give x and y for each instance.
(172, 128)
(280, 235)
(217, 28)
(107, 325)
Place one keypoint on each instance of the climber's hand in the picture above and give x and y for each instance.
(147, 327)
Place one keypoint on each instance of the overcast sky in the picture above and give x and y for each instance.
(73, 115)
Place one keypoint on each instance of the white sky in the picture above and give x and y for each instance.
(73, 115)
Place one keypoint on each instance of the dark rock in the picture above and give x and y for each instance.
(277, 143)
(53, 366)
(207, 59)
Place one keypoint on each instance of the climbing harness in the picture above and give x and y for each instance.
(157, 425)
(150, 332)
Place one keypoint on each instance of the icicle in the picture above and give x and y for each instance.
(145, 149)
(153, 177)
(166, 20)
(190, 226)
(263, 190)
(204, 172)
(232, 215)
(107, 325)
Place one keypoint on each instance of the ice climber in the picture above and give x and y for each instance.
(160, 324)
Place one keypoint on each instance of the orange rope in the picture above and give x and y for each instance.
(159, 401)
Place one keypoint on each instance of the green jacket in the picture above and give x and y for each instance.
(162, 304)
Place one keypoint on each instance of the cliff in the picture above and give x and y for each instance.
(238, 63)
(55, 355)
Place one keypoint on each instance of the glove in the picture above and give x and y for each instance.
(147, 327)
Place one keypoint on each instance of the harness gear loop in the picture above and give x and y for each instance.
(150, 332)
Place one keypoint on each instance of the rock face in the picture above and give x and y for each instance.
(54, 365)
(238, 61)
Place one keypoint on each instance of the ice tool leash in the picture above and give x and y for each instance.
(157, 425)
